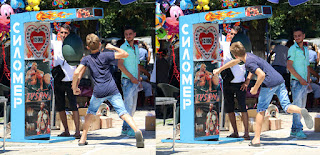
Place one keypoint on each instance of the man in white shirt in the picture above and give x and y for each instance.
(64, 86)
(236, 88)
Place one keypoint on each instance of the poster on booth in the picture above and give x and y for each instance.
(206, 42)
(37, 118)
(37, 40)
(38, 95)
(206, 119)
(206, 85)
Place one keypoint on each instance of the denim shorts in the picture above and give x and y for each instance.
(115, 100)
(266, 95)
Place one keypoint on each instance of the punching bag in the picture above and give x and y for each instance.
(245, 42)
(72, 49)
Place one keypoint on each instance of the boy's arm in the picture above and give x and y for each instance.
(126, 72)
(225, 66)
(77, 75)
(260, 78)
(314, 73)
(295, 73)
(245, 85)
(120, 52)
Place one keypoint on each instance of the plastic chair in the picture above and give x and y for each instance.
(170, 91)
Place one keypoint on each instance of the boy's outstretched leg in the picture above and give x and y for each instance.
(86, 126)
(138, 133)
(304, 112)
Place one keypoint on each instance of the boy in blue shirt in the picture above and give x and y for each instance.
(270, 81)
(105, 87)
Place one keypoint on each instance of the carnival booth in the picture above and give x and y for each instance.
(31, 58)
(200, 53)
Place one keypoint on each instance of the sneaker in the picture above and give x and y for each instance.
(130, 133)
(124, 132)
(307, 118)
(301, 135)
(139, 139)
(293, 134)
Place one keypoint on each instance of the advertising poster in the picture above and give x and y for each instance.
(205, 83)
(38, 95)
(206, 42)
(37, 118)
(37, 40)
(207, 99)
(206, 119)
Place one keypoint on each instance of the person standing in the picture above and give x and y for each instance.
(130, 76)
(298, 65)
(64, 86)
(235, 88)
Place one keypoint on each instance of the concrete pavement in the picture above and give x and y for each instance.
(103, 141)
(274, 142)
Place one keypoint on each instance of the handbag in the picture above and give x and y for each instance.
(227, 76)
(57, 73)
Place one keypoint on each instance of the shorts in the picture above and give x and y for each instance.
(60, 88)
(115, 100)
(228, 92)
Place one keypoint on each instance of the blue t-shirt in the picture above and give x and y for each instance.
(143, 54)
(272, 79)
(99, 65)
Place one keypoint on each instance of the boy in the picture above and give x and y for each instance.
(271, 82)
(104, 85)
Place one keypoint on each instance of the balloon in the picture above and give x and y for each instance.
(33, 5)
(158, 8)
(15, 4)
(175, 13)
(160, 19)
(72, 49)
(186, 4)
(5, 10)
(203, 4)
(161, 33)
(60, 3)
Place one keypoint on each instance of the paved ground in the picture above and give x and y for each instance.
(103, 141)
(274, 142)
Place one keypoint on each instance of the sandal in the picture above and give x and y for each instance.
(83, 144)
(64, 134)
(254, 145)
(233, 135)
(246, 137)
(77, 136)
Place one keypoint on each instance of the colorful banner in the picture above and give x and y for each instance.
(37, 40)
(206, 42)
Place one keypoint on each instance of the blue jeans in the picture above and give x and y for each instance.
(115, 100)
(266, 95)
(130, 95)
(299, 96)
